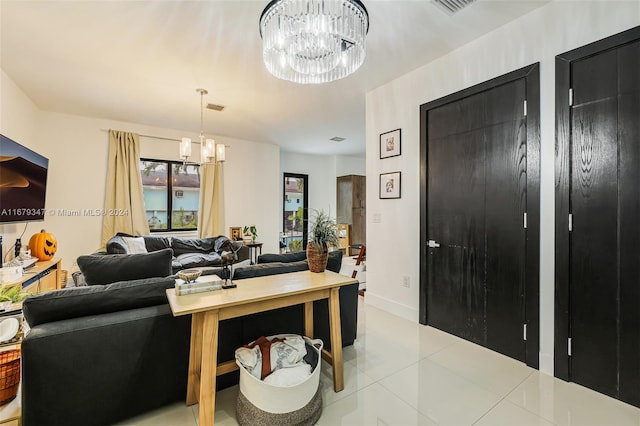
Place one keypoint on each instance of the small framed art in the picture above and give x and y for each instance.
(235, 233)
(390, 144)
(390, 185)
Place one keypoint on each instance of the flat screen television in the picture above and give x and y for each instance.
(23, 182)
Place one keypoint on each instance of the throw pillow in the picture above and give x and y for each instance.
(135, 245)
(100, 269)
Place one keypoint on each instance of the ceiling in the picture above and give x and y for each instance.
(141, 61)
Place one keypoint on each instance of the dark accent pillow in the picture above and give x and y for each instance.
(110, 268)
(271, 268)
(154, 243)
(192, 245)
(286, 257)
(77, 302)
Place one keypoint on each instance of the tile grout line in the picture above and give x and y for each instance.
(552, 421)
(504, 398)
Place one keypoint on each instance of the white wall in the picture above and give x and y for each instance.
(18, 121)
(322, 171)
(77, 151)
(536, 37)
(322, 179)
(350, 165)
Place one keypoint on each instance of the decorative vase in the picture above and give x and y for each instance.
(317, 259)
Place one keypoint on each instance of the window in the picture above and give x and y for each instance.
(171, 194)
(295, 212)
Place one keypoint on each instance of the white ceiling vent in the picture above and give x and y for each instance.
(215, 107)
(452, 6)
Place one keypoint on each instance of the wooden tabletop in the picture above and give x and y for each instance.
(256, 289)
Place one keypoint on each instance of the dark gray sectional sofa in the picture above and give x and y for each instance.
(187, 252)
(100, 354)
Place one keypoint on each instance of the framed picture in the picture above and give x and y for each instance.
(390, 185)
(235, 233)
(390, 144)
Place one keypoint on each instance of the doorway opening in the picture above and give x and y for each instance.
(295, 212)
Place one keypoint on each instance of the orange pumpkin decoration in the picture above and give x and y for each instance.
(43, 245)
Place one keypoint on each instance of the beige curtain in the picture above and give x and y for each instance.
(123, 201)
(211, 212)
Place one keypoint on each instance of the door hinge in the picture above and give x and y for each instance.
(570, 222)
(569, 346)
(524, 332)
(525, 107)
(525, 221)
(570, 97)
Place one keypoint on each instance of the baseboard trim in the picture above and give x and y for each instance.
(391, 306)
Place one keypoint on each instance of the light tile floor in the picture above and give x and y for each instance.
(402, 373)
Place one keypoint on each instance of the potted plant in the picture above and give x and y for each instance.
(323, 233)
(251, 231)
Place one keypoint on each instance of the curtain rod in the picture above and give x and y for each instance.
(156, 137)
(162, 138)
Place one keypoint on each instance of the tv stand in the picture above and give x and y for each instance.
(28, 263)
(43, 276)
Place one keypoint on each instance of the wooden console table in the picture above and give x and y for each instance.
(253, 295)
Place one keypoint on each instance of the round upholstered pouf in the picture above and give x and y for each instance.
(249, 414)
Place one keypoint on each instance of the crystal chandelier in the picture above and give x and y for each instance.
(210, 152)
(313, 41)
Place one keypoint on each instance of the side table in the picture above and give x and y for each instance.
(255, 249)
(11, 412)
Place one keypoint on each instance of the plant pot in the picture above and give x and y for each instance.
(317, 259)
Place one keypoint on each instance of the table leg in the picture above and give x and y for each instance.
(336, 339)
(308, 319)
(195, 359)
(208, 368)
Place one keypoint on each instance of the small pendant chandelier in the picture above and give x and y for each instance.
(313, 41)
(210, 152)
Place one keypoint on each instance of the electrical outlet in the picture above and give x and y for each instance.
(405, 282)
(377, 218)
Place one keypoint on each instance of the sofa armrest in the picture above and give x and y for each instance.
(108, 367)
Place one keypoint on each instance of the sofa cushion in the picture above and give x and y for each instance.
(195, 260)
(334, 261)
(285, 257)
(225, 244)
(135, 245)
(77, 302)
(109, 268)
(271, 268)
(192, 245)
(155, 243)
(116, 245)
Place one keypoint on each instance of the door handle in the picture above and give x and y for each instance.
(432, 244)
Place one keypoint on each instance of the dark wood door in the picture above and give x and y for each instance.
(351, 207)
(604, 271)
(476, 204)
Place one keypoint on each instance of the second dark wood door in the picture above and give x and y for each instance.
(605, 237)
